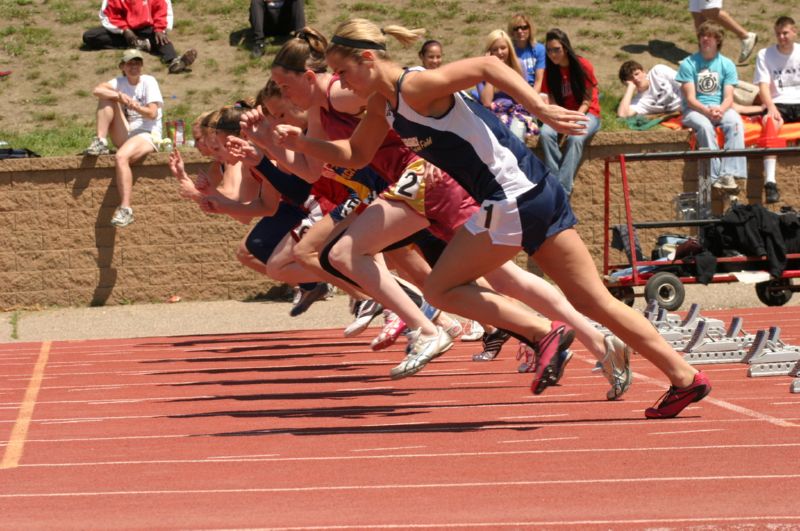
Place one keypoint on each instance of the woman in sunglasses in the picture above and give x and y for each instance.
(530, 53)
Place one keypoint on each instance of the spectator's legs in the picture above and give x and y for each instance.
(258, 9)
(724, 19)
(102, 39)
(552, 153)
(573, 151)
(706, 137)
(293, 16)
(132, 150)
(733, 129)
(166, 52)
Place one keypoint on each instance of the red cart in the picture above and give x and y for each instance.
(664, 281)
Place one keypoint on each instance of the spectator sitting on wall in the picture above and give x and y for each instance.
(707, 80)
(274, 18)
(129, 109)
(140, 24)
(648, 92)
(778, 78)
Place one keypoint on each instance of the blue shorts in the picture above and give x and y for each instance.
(269, 232)
(528, 219)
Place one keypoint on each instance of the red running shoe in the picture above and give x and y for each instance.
(676, 399)
(546, 361)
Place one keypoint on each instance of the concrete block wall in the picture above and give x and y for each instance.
(59, 248)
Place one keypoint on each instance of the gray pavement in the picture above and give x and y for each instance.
(225, 317)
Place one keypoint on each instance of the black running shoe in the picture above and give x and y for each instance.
(492, 344)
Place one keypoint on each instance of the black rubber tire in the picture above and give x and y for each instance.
(771, 292)
(666, 289)
(625, 294)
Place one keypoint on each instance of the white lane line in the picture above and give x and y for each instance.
(237, 457)
(387, 449)
(682, 432)
(427, 402)
(534, 416)
(475, 384)
(439, 455)
(539, 440)
(399, 486)
(534, 524)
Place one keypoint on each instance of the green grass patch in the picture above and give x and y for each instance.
(638, 8)
(573, 12)
(14, 323)
(369, 7)
(52, 141)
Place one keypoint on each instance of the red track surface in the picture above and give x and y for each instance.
(304, 429)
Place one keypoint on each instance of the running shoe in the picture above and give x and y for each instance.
(616, 366)
(473, 331)
(492, 344)
(99, 146)
(455, 329)
(677, 398)
(123, 216)
(365, 312)
(422, 349)
(392, 330)
(546, 349)
(308, 297)
(527, 353)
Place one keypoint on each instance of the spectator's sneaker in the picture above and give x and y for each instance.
(308, 297)
(473, 331)
(771, 193)
(676, 399)
(142, 44)
(392, 330)
(546, 354)
(365, 312)
(616, 366)
(492, 344)
(97, 147)
(748, 45)
(123, 217)
(258, 50)
(726, 183)
(179, 64)
(422, 349)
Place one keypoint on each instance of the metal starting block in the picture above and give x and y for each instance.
(678, 332)
(769, 356)
(711, 343)
(794, 387)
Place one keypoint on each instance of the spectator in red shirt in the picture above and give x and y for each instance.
(141, 24)
(569, 81)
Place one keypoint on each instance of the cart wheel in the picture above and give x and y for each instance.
(774, 292)
(666, 289)
(624, 294)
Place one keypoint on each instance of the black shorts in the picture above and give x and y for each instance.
(790, 112)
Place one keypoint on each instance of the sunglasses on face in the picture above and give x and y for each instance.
(521, 28)
(555, 50)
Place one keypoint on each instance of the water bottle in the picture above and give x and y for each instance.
(179, 138)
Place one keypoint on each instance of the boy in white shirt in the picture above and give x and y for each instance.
(778, 78)
(652, 92)
(129, 109)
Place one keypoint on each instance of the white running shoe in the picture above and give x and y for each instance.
(473, 331)
(123, 216)
(422, 349)
(748, 45)
(365, 312)
(616, 366)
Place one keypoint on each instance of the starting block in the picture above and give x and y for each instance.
(712, 344)
(769, 356)
(795, 386)
(678, 332)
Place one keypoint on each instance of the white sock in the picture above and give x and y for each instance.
(769, 169)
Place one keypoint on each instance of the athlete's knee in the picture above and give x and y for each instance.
(242, 253)
(338, 255)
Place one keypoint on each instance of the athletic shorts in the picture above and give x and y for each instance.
(528, 219)
(268, 233)
(151, 136)
(696, 6)
(441, 200)
(790, 112)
